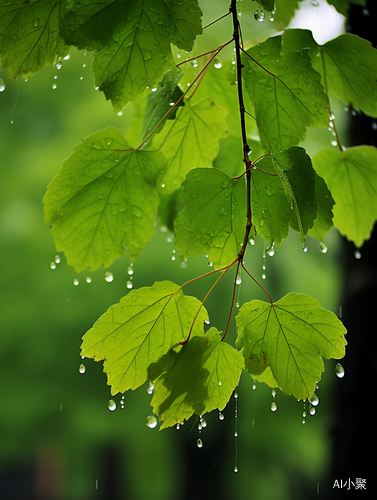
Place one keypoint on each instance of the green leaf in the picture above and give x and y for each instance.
(351, 176)
(139, 330)
(103, 199)
(29, 35)
(286, 93)
(290, 337)
(348, 65)
(324, 220)
(214, 216)
(159, 103)
(190, 141)
(268, 5)
(298, 179)
(140, 54)
(342, 6)
(350, 69)
(92, 25)
(201, 377)
(271, 211)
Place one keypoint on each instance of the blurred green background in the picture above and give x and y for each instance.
(58, 438)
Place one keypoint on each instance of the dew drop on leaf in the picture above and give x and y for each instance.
(312, 410)
(271, 250)
(264, 276)
(252, 241)
(314, 400)
(53, 265)
(111, 405)
(109, 276)
(305, 248)
(221, 416)
(76, 282)
(2, 85)
(259, 15)
(88, 279)
(57, 259)
(151, 421)
(194, 63)
(274, 406)
(217, 63)
(82, 368)
(129, 284)
(339, 370)
(199, 443)
(322, 247)
(150, 388)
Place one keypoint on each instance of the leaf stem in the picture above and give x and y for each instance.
(232, 304)
(216, 20)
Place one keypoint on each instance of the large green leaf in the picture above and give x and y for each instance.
(199, 379)
(29, 35)
(343, 6)
(214, 216)
(190, 141)
(324, 220)
(139, 53)
(103, 200)
(139, 330)
(92, 25)
(290, 338)
(271, 210)
(351, 176)
(348, 65)
(286, 92)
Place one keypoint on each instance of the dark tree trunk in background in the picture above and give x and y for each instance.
(353, 432)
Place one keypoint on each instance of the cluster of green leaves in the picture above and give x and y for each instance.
(189, 168)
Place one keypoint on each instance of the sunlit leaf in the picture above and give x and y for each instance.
(200, 378)
(139, 330)
(213, 219)
(29, 35)
(103, 200)
(190, 141)
(290, 337)
(351, 176)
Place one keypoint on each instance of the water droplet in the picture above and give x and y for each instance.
(259, 15)
(109, 276)
(111, 405)
(53, 265)
(238, 279)
(154, 89)
(194, 63)
(254, 386)
(178, 55)
(264, 276)
(271, 250)
(76, 282)
(36, 23)
(315, 3)
(305, 248)
(150, 388)
(365, 12)
(151, 421)
(57, 259)
(357, 254)
(217, 63)
(339, 370)
(314, 400)
(374, 125)
(178, 426)
(130, 270)
(274, 406)
(67, 57)
(221, 416)
(312, 410)
(322, 247)
(129, 284)
(58, 65)
(199, 443)
(273, 392)
(252, 241)
(235, 469)
(82, 368)
(54, 86)
(88, 279)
